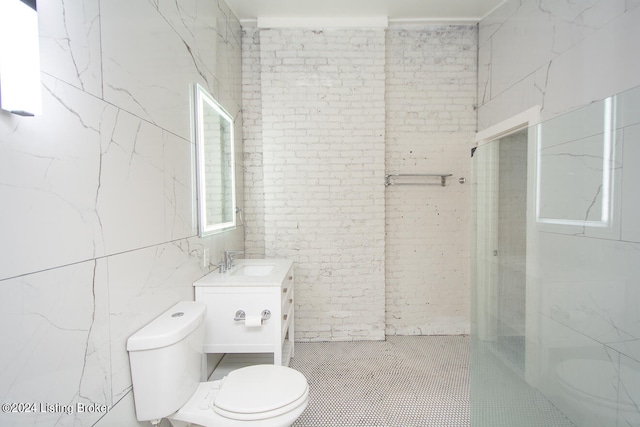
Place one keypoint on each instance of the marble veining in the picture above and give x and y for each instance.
(57, 311)
(583, 329)
(544, 44)
(97, 225)
(70, 43)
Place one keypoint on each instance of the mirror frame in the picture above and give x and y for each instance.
(202, 100)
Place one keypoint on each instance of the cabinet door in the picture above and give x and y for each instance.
(224, 334)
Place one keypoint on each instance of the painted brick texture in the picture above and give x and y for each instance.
(323, 125)
(430, 98)
(252, 144)
(324, 111)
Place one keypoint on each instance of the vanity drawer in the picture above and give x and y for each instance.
(225, 334)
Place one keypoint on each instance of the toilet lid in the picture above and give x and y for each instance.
(259, 389)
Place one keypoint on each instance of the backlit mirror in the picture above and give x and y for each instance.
(214, 164)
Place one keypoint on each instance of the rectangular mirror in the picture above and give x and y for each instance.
(215, 169)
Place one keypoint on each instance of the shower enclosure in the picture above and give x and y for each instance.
(555, 335)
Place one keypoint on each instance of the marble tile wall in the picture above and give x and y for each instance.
(557, 54)
(97, 225)
(582, 292)
(588, 272)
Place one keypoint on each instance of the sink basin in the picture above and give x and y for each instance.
(252, 270)
(249, 272)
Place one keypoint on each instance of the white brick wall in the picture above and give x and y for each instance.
(316, 114)
(323, 144)
(431, 92)
(252, 139)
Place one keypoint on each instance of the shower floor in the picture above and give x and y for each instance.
(401, 382)
(502, 398)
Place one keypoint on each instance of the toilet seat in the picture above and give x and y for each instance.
(260, 391)
(260, 396)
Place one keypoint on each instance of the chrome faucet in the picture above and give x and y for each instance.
(229, 258)
(222, 267)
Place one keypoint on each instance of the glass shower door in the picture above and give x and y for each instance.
(555, 332)
(500, 393)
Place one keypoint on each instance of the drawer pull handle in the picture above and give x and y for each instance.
(240, 315)
(290, 277)
(285, 316)
(284, 290)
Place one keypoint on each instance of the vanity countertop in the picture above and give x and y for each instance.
(249, 272)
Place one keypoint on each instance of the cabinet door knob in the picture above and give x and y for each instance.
(290, 277)
(285, 316)
(284, 290)
(290, 300)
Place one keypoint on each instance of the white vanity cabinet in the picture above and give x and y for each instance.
(250, 309)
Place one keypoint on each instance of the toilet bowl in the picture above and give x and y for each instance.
(165, 358)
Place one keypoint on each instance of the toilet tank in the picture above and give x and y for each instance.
(166, 360)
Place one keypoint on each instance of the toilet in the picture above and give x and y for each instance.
(166, 360)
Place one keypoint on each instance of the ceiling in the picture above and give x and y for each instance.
(395, 10)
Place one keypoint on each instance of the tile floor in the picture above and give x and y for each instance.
(419, 381)
(501, 398)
